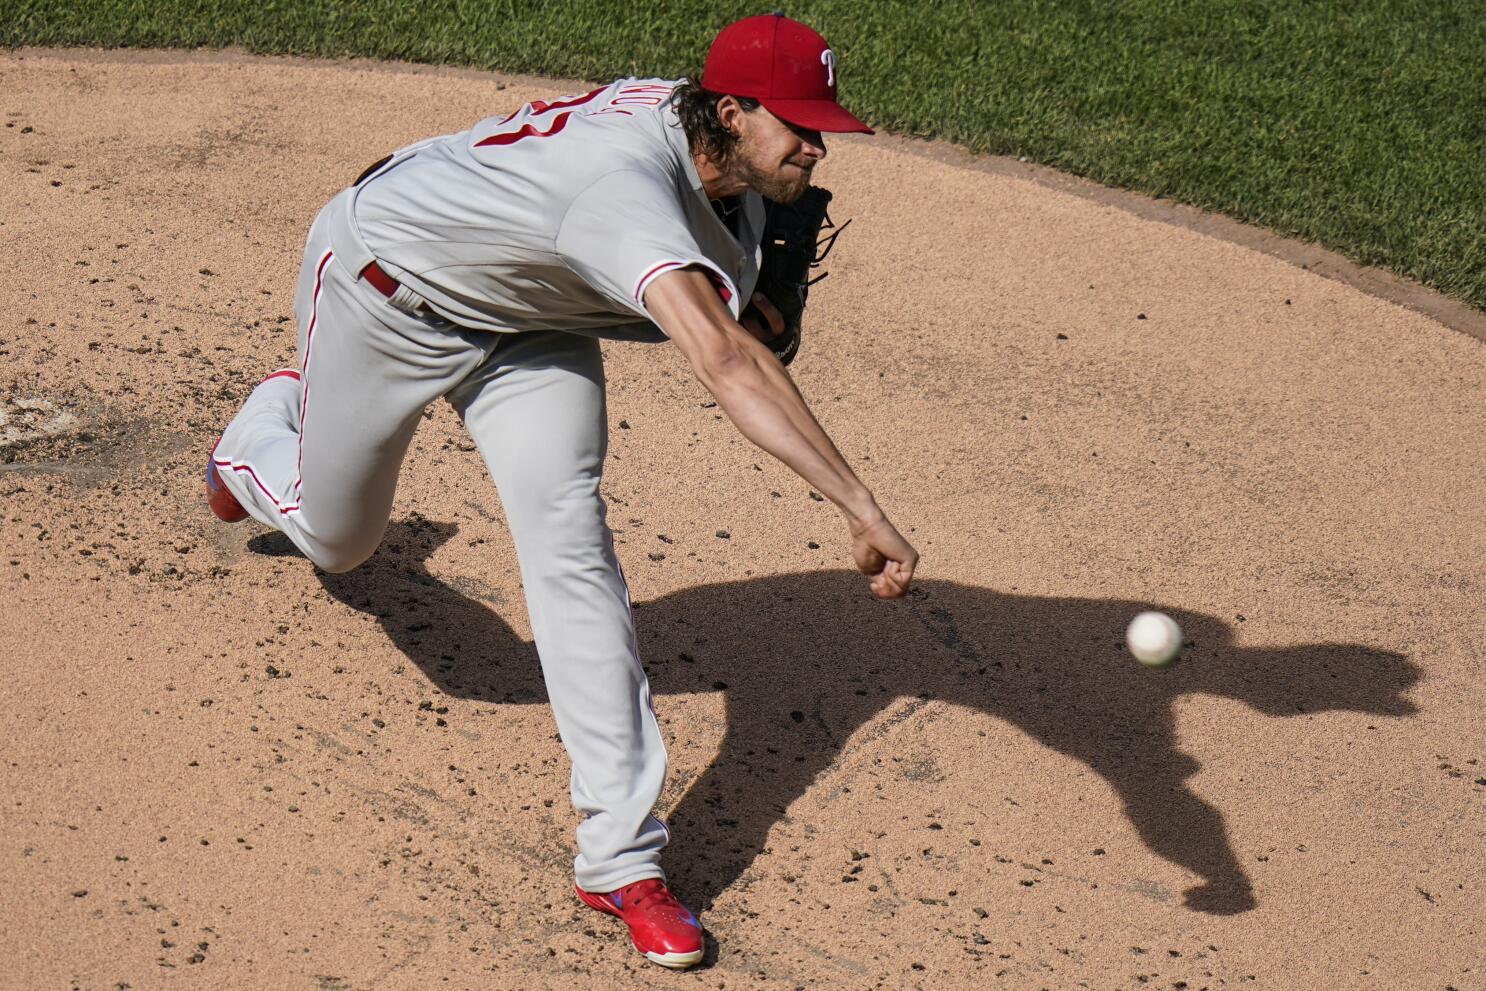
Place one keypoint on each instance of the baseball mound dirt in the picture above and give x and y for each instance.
(224, 769)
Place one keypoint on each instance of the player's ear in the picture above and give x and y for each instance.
(730, 114)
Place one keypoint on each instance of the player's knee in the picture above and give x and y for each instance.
(340, 565)
(346, 557)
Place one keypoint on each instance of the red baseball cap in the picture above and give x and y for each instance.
(785, 66)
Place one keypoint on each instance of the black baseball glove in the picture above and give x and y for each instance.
(792, 246)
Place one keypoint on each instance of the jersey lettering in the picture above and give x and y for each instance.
(542, 106)
(527, 131)
(648, 95)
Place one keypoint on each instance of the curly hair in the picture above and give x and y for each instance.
(697, 109)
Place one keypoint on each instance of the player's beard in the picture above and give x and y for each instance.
(781, 187)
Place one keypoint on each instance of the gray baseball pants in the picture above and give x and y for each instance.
(315, 453)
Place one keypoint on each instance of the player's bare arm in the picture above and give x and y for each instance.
(758, 395)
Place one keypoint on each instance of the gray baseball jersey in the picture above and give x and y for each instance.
(556, 217)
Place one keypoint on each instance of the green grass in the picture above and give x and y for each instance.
(1358, 125)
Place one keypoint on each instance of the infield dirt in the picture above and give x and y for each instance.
(224, 769)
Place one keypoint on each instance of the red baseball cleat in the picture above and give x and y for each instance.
(223, 503)
(660, 926)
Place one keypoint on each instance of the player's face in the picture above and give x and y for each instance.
(774, 157)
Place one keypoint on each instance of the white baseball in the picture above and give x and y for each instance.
(1154, 639)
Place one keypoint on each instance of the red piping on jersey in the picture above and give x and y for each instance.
(304, 399)
(650, 274)
(718, 282)
(293, 506)
(225, 463)
(230, 465)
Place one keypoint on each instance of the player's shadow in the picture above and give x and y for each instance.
(806, 660)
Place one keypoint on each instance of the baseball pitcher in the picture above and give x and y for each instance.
(484, 267)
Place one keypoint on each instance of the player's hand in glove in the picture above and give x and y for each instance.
(792, 246)
(762, 319)
(884, 556)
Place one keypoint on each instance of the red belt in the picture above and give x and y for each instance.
(380, 280)
(383, 283)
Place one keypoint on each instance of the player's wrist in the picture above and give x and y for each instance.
(862, 512)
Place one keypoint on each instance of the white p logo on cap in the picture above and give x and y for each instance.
(828, 59)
